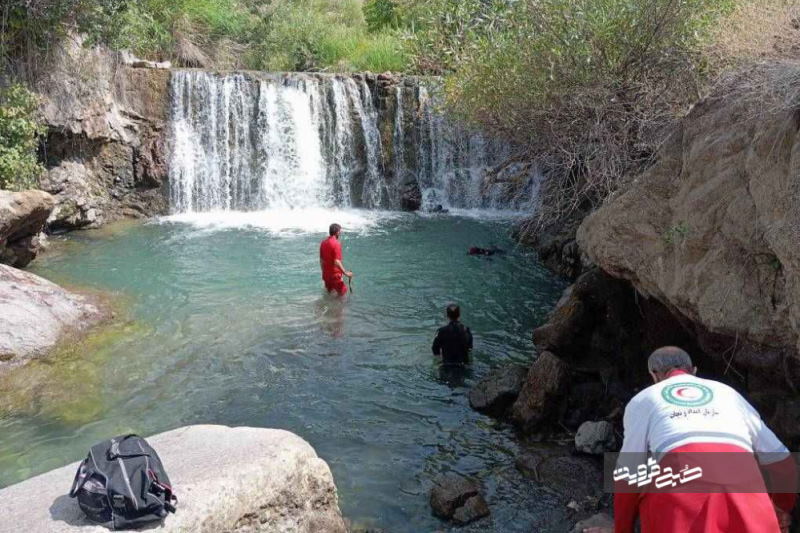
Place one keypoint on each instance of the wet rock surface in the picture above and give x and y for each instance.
(495, 393)
(458, 498)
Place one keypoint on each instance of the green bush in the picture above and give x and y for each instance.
(586, 87)
(381, 14)
(325, 35)
(20, 131)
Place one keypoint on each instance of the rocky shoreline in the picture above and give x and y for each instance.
(701, 252)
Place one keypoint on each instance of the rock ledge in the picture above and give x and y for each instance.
(226, 479)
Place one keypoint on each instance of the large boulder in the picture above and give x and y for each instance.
(226, 479)
(22, 217)
(35, 314)
(711, 231)
(541, 393)
(495, 393)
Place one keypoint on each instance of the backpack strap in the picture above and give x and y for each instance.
(81, 476)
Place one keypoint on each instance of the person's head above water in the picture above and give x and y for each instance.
(664, 360)
(334, 230)
(453, 312)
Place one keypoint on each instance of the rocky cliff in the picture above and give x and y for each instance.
(106, 143)
(712, 231)
(700, 252)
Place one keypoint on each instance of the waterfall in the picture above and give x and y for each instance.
(253, 141)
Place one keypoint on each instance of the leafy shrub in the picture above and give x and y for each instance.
(20, 130)
(325, 35)
(381, 14)
(586, 87)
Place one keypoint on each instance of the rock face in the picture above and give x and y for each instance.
(106, 144)
(495, 393)
(595, 438)
(226, 479)
(22, 217)
(35, 314)
(458, 498)
(541, 393)
(712, 232)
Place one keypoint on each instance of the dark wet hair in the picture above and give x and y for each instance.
(334, 229)
(453, 312)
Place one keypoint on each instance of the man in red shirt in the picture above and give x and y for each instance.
(330, 261)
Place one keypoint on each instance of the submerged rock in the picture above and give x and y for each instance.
(595, 438)
(35, 314)
(458, 498)
(541, 393)
(22, 218)
(495, 393)
(226, 479)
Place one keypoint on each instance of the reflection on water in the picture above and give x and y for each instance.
(230, 325)
(330, 311)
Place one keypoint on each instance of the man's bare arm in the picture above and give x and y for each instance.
(338, 263)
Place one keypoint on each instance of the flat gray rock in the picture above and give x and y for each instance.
(226, 479)
(35, 314)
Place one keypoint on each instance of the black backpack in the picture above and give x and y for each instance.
(122, 484)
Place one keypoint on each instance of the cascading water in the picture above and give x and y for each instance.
(246, 141)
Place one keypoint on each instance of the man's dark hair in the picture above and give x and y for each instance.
(334, 229)
(453, 312)
(669, 358)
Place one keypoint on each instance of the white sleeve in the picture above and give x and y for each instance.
(766, 445)
(635, 427)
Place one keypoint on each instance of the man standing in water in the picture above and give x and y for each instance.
(453, 341)
(330, 261)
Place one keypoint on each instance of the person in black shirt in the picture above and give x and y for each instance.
(453, 341)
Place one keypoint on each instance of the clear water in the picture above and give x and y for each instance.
(228, 324)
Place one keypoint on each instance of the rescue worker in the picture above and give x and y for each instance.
(682, 416)
(330, 262)
(453, 341)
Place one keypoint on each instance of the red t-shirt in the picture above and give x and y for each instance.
(329, 251)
